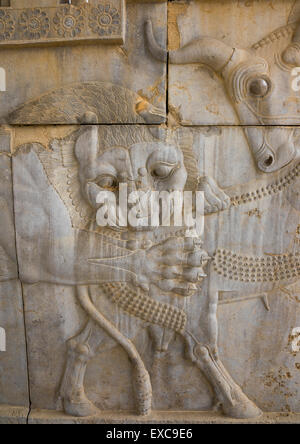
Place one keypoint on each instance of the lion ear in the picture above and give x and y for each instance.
(87, 145)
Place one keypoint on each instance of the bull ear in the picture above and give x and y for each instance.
(87, 145)
(291, 55)
(295, 13)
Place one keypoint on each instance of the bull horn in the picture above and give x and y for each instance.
(207, 51)
(157, 52)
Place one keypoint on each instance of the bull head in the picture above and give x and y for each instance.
(258, 89)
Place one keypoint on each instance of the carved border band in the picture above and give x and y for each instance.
(104, 21)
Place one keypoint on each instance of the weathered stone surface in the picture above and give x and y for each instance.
(234, 65)
(79, 22)
(45, 76)
(124, 322)
(258, 302)
(13, 360)
(253, 274)
(159, 417)
(13, 415)
(33, 3)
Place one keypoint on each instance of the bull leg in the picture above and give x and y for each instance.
(229, 395)
(161, 339)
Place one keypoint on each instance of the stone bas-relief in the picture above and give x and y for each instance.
(13, 360)
(158, 318)
(169, 306)
(33, 72)
(239, 73)
(89, 102)
(140, 167)
(63, 24)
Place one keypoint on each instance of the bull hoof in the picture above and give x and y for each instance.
(80, 408)
(241, 408)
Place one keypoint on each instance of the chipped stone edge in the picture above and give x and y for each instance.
(13, 414)
(157, 417)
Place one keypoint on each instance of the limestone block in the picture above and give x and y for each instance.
(126, 331)
(13, 415)
(13, 360)
(118, 316)
(8, 261)
(230, 65)
(37, 78)
(34, 3)
(51, 225)
(158, 417)
(73, 23)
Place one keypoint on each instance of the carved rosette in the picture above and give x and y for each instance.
(64, 23)
(7, 25)
(104, 20)
(34, 23)
(69, 22)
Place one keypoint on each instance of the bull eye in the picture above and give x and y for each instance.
(163, 170)
(107, 181)
(259, 87)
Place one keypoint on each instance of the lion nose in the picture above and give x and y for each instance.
(138, 183)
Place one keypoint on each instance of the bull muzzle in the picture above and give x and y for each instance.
(272, 148)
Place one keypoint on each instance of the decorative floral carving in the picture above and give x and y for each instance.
(34, 23)
(7, 25)
(104, 20)
(68, 21)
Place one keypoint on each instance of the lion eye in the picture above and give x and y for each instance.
(107, 181)
(259, 87)
(162, 170)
